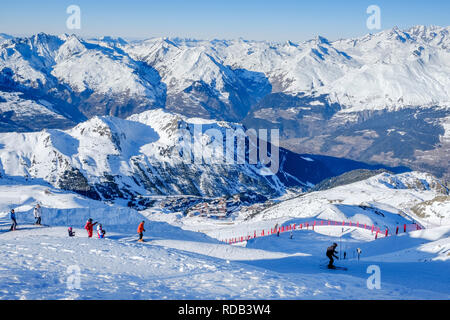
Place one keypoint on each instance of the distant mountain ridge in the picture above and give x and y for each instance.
(223, 79)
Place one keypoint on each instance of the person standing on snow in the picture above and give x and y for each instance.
(37, 214)
(277, 230)
(90, 227)
(14, 222)
(331, 252)
(100, 231)
(141, 230)
(358, 251)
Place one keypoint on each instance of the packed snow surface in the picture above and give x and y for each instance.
(183, 258)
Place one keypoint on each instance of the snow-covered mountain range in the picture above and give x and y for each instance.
(96, 128)
(391, 69)
(358, 98)
(112, 158)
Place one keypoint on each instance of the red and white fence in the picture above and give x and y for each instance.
(318, 222)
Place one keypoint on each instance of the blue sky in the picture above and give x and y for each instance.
(250, 19)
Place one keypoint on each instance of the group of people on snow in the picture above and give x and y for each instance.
(37, 212)
(89, 226)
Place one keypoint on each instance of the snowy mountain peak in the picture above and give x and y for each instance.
(72, 46)
(322, 40)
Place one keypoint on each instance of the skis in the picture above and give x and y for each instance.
(334, 268)
(338, 268)
(30, 226)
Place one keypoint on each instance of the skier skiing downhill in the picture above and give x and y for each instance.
(141, 230)
(331, 252)
(90, 227)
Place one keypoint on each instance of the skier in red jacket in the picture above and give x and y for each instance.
(90, 227)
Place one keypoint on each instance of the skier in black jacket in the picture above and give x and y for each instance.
(331, 252)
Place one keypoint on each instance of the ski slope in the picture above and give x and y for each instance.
(181, 264)
(183, 257)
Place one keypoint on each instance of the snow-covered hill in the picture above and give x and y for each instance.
(43, 263)
(384, 200)
(183, 258)
(111, 158)
(176, 263)
(62, 207)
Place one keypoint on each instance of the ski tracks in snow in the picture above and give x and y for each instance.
(35, 263)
